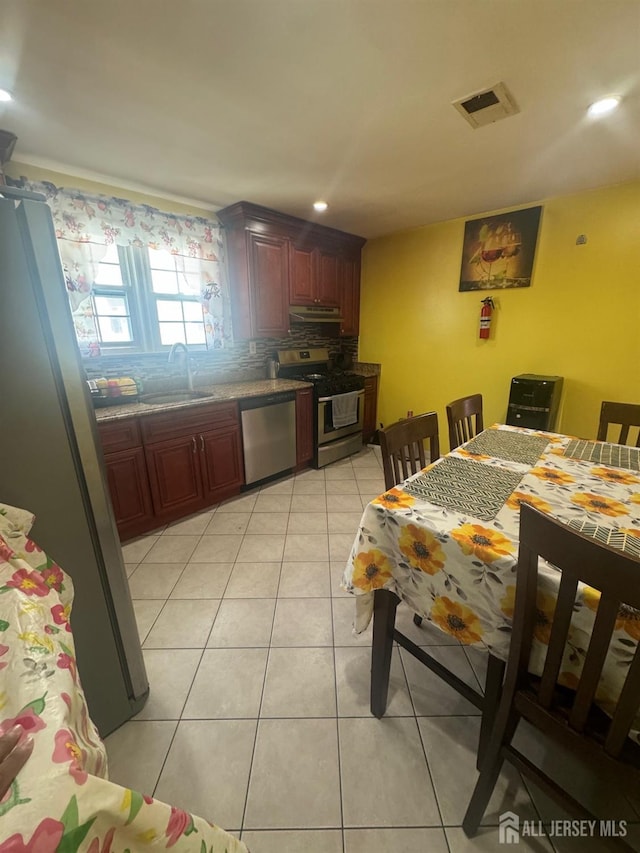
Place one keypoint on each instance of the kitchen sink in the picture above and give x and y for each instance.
(172, 397)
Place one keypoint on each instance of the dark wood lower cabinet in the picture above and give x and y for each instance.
(182, 462)
(370, 408)
(304, 427)
(222, 466)
(129, 489)
(174, 476)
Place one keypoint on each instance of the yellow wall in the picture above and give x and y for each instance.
(15, 169)
(579, 319)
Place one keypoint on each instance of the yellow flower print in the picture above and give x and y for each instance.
(628, 618)
(552, 439)
(545, 608)
(371, 570)
(599, 503)
(550, 475)
(508, 602)
(631, 531)
(456, 619)
(487, 545)
(33, 639)
(635, 498)
(478, 457)
(421, 549)
(126, 800)
(395, 499)
(569, 679)
(516, 498)
(614, 475)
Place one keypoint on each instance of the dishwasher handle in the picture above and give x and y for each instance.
(268, 400)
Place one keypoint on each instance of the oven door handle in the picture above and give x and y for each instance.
(329, 399)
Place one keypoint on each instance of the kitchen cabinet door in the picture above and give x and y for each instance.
(221, 460)
(129, 490)
(302, 274)
(269, 276)
(327, 290)
(349, 270)
(370, 408)
(304, 426)
(175, 476)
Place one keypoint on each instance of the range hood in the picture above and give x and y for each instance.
(314, 314)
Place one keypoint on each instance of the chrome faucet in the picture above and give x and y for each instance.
(182, 348)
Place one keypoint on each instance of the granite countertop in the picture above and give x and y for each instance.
(214, 394)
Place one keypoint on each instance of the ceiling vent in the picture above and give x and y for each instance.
(487, 106)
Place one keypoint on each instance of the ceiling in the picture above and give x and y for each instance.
(282, 102)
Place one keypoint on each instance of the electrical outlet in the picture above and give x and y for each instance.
(252, 347)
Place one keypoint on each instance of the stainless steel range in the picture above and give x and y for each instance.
(339, 402)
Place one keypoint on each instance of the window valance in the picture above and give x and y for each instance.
(86, 218)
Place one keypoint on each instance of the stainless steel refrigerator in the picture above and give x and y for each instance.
(50, 461)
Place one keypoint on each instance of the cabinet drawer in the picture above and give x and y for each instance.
(167, 425)
(119, 435)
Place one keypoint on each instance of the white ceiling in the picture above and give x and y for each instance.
(281, 102)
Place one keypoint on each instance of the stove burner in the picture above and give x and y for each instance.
(314, 376)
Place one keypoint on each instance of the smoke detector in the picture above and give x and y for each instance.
(487, 106)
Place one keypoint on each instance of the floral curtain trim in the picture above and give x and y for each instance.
(86, 225)
(87, 218)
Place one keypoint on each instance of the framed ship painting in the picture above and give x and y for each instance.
(498, 251)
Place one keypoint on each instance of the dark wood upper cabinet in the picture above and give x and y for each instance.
(303, 266)
(277, 260)
(349, 283)
(328, 289)
(269, 285)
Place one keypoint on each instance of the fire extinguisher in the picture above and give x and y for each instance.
(485, 316)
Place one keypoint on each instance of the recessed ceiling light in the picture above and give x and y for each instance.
(320, 206)
(603, 106)
(5, 96)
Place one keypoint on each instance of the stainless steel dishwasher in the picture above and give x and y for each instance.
(268, 435)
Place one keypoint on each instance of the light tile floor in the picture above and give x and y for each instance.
(258, 717)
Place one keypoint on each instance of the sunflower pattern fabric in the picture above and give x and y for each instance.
(62, 799)
(458, 570)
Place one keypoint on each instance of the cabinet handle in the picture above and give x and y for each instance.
(202, 444)
(193, 441)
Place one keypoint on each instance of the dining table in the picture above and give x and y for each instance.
(445, 542)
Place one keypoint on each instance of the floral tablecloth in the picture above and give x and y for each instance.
(459, 572)
(62, 799)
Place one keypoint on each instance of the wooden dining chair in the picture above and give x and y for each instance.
(465, 419)
(625, 415)
(402, 446)
(567, 716)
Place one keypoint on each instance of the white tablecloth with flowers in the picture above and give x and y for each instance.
(458, 572)
(62, 799)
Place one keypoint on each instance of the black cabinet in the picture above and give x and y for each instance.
(534, 401)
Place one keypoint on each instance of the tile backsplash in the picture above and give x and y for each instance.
(235, 364)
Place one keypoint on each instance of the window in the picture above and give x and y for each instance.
(145, 300)
(175, 283)
(111, 302)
